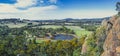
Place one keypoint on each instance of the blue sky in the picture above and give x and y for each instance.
(56, 9)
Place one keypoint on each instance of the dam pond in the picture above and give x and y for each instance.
(63, 37)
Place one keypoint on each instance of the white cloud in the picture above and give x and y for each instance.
(25, 3)
(41, 9)
(7, 8)
(11, 10)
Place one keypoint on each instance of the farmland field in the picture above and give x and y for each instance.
(78, 30)
(51, 26)
(11, 25)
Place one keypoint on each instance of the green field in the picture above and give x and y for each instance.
(78, 30)
(51, 26)
(39, 41)
(12, 25)
(42, 40)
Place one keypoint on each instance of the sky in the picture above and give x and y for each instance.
(57, 9)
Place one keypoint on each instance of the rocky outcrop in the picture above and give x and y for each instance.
(84, 47)
(106, 40)
(106, 37)
(112, 42)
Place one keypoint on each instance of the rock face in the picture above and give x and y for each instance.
(106, 39)
(112, 42)
(84, 47)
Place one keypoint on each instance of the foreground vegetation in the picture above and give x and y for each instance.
(19, 46)
(26, 41)
(22, 41)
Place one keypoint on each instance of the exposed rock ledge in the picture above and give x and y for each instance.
(112, 42)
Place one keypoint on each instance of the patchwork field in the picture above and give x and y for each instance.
(78, 30)
(11, 25)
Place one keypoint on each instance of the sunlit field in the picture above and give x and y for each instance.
(78, 30)
(12, 25)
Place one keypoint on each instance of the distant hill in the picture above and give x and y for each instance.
(65, 21)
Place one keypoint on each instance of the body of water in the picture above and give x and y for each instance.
(63, 37)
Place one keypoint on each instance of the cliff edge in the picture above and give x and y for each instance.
(112, 42)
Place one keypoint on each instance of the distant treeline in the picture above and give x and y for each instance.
(67, 21)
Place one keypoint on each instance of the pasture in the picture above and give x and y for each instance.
(78, 30)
